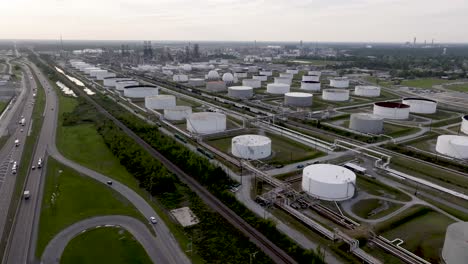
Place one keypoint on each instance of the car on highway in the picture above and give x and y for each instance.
(153, 220)
(26, 194)
(300, 166)
(279, 166)
(33, 167)
(109, 182)
(21, 130)
(39, 163)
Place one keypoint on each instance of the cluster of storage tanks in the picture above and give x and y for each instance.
(91, 70)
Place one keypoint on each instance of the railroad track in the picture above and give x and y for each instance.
(268, 247)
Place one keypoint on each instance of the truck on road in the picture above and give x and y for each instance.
(17, 143)
(26, 194)
(22, 121)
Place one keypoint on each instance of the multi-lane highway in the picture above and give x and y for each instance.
(22, 245)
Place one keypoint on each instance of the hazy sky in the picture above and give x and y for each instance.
(280, 20)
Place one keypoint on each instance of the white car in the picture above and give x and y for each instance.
(153, 220)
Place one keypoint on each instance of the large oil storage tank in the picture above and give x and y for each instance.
(311, 78)
(213, 75)
(228, 78)
(252, 69)
(367, 91)
(262, 78)
(464, 124)
(292, 71)
(453, 146)
(278, 88)
(252, 147)
(328, 182)
(177, 113)
(283, 80)
(337, 95)
(286, 75)
(159, 102)
(111, 81)
(298, 99)
(252, 83)
(421, 105)
(140, 91)
(83, 66)
(366, 123)
(206, 122)
(241, 92)
(266, 73)
(180, 78)
(455, 250)
(94, 73)
(391, 110)
(196, 82)
(120, 85)
(102, 75)
(310, 86)
(318, 73)
(339, 82)
(187, 67)
(241, 74)
(89, 69)
(216, 86)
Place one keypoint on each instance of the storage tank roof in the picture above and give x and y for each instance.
(367, 116)
(336, 91)
(240, 88)
(392, 105)
(296, 94)
(328, 173)
(160, 96)
(418, 99)
(251, 140)
(206, 116)
(228, 77)
(460, 140)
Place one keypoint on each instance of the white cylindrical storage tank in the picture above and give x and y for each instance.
(206, 122)
(311, 78)
(286, 75)
(159, 102)
(318, 73)
(464, 124)
(187, 67)
(252, 83)
(228, 78)
(253, 69)
(391, 110)
(180, 78)
(111, 81)
(94, 73)
(292, 71)
(120, 85)
(196, 82)
(283, 80)
(266, 73)
(140, 91)
(215, 86)
(328, 182)
(453, 146)
(278, 88)
(367, 91)
(310, 86)
(83, 66)
(240, 75)
(421, 105)
(240, 92)
(262, 78)
(455, 250)
(89, 69)
(213, 75)
(177, 113)
(337, 95)
(100, 76)
(342, 82)
(252, 147)
(366, 123)
(298, 99)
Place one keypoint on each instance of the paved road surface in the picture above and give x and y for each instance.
(56, 246)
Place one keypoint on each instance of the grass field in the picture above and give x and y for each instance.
(421, 229)
(2, 106)
(458, 87)
(377, 188)
(365, 207)
(104, 245)
(283, 150)
(426, 83)
(70, 197)
(439, 115)
(398, 131)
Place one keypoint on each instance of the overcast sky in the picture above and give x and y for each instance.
(261, 20)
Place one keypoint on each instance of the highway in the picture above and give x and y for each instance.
(56, 246)
(23, 239)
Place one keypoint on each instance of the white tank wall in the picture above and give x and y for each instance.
(339, 83)
(94, 73)
(253, 69)
(311, 78)
(228, 77)
(455, 250)
(464, 124)
(121, 85)
(283, 80)
(298, 99)
(212, 75)
(421, 106)
(206, 123)
(216, 86)
(196, 82)
(314, 73)
(159, 102)
(391, 112)
(262, 78)
(310, 86)
(286, 75)
(453, 146)
(252, 83)
(140, 92)
(335, 95)
(251, 147)
(367, 91)
(240, 75)
(278, 88)
(328, 182)
(267, 73)
(180, 78)
(177, 113)
(242, 92)
(292, 71)
(89, 69)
